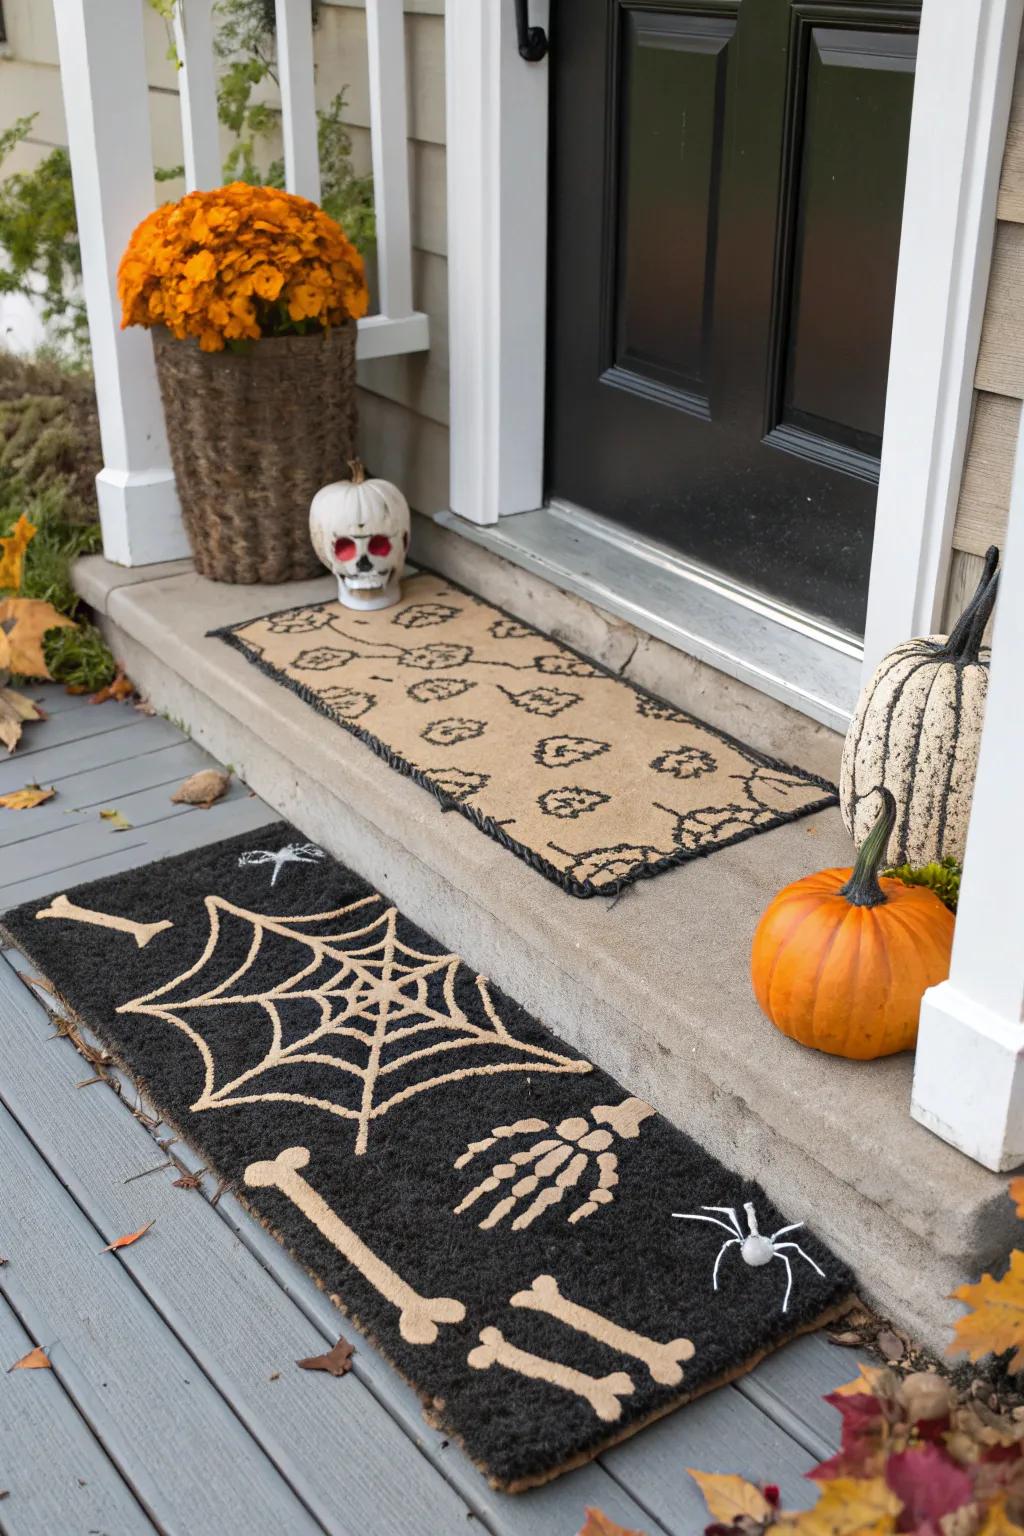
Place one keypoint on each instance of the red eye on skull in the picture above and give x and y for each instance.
(344, 549)
(379, 545)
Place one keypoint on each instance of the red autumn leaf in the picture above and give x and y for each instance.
(928, 1484)
(129, 1238)
(336, 1362)
(863, 1434)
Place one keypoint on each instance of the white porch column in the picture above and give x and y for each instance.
(197, 90)
(106, 102)
(969, 1073)
(497, 132)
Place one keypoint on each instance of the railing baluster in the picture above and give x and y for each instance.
(298, 98)
(389, 142)
(197, 84)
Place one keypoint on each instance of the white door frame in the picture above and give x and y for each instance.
(497, 241)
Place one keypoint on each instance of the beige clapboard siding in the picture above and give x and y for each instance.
(964, 575)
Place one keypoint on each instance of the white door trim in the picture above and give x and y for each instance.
(497, 233)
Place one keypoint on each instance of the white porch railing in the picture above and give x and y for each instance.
(106, 101)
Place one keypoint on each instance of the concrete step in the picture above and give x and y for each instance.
(654, 986)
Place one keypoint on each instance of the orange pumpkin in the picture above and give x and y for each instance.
(841, 959)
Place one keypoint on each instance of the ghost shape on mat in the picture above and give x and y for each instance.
(360, 530)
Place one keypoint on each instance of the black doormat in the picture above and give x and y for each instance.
(492, 1210)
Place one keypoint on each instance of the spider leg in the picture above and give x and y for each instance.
(721, 1254)
(687, 1216)
(789, 1277)
(791, 1228)
(501, 1172)
(803, 1255)
(727, 1210)
(601, 1193)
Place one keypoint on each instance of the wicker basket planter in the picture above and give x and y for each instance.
(253, 435)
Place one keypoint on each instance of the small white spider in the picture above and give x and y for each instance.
(293, 853)
(755, 1248)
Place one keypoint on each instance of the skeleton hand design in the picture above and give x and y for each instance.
(755, 1248)
(569, 1149)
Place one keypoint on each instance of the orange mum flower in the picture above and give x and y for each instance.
(239, 263)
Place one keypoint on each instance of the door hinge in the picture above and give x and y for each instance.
(533, 41)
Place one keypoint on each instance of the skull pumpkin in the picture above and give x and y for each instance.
(360, 530)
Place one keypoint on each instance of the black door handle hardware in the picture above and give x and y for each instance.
(533, 41)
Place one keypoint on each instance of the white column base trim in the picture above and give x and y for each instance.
(969, 1078)
(140, 516)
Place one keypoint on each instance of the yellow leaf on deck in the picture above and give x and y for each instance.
(35, 1360)
(12, 553)
(28, 798)
(997, 1521)
(115, 821)
(867, 1383)
(5, 656)
(32, 618)
(598, 1524)
(1017, 1195)
(128, 1239)
(849, 1506)
(996, 1319)
(15, 709)
(727, 1496)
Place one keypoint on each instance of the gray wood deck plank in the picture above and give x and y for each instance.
(330, 1438)
(54, 1474)
(55, 699)
(57, 763)
(721, 1432)
(142, 846)
(791, 1386)
(145, 1398)
(103, 786)
(77, 725)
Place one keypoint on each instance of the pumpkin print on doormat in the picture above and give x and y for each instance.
(587, 778)
(496, 1213)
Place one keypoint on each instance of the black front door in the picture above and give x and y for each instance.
(726, 196)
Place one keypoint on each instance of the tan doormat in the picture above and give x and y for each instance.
(592, 781)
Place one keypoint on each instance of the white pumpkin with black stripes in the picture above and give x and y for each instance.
(917, 730)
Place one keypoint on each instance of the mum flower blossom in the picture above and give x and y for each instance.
(239, 263)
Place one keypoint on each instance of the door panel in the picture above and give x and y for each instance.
(727, 185)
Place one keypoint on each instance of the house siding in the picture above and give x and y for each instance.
(403, 400)
(999, 379)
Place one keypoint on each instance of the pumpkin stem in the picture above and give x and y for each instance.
(862, 889)
(357, 471)
(964, 643)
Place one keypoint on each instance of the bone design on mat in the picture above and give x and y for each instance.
(662, 1360)
(60, 906)
(601, 1392)
(418, 1315)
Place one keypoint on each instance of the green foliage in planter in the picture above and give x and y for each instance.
(79, 658)
(942, 878)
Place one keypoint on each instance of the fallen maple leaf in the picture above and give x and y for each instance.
(727, 1496)
(996, 1319)
(202, 789)
(121, 688)
(997, 1521)
(598, 1524)
(15, 709)
(115, 821)
(27, 799)
(849, 1506)
(1016, 1193)
(36, 1360)
(128, 1239)
(32, 617)
(336, 1362)
(12, 553)
(928, 1484)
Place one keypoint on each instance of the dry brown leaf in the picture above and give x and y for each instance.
(202, 789)
(336, 1362)
(15, 709)
(1016, 1193)
(598, 1524)
(36, 1360)
(32, 618)
(891, 1345)
(128, 1239)
(188, 1181)
(996, 1319)
(727, 1496)
(121, 688)
(27, 799)
(12, 553)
